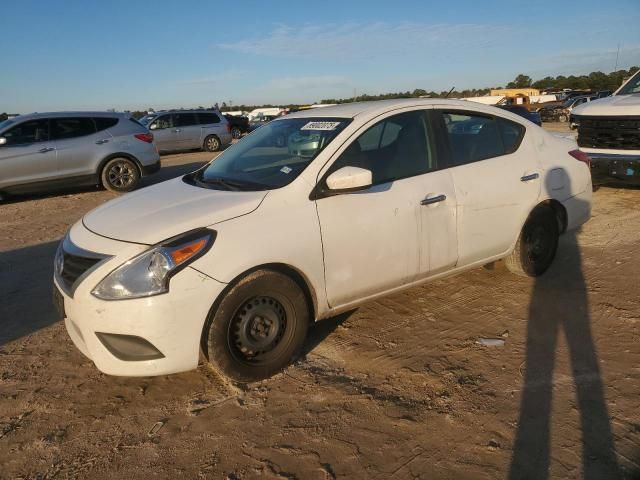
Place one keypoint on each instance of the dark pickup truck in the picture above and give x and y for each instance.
(239, 125)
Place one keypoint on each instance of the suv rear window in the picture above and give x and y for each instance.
(63, 128)
(102, 123)
(207, 118)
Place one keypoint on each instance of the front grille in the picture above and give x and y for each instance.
(616, 133)
(73, 268)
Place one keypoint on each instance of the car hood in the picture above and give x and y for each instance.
(611, 106)
(153, 214)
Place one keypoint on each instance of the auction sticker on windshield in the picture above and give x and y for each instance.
(321, 126)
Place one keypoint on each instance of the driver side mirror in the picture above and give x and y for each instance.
(153, 126)
(3, 141)
(349, 179)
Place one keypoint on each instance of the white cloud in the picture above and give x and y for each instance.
(371, 40)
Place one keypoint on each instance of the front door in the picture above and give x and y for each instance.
(163, 133)
(373, 239)
(28, 156)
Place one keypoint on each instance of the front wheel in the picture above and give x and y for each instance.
(236, 133)
(258, 328)
(537, 244)
(120, 175)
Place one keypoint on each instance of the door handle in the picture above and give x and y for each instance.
(432, 200)
(46, 149)
(100, 142)
(531, 176)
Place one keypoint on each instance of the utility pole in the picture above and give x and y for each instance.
(617, 56)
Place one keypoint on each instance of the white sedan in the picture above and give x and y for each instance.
(312, 214)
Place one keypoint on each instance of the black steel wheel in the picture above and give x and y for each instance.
(537, 245)
(258, 327)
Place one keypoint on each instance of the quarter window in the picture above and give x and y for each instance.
(395, 148)
(474, 137)
(33, 131)
(102, 123)
(63, 128)
(208, 118)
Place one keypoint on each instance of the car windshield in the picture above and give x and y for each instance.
(5, 124)
(272, 156)
(633, 86)
(147, 119)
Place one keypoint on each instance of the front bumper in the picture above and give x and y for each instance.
(607, 168)
(114, 334)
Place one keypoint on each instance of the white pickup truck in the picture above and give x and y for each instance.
(609, 132)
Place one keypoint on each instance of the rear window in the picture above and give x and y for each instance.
(102, 123)
(207, 118)
(63, 128)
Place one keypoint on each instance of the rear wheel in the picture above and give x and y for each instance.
(258, 328)
(120, 175)
(537, 244)
(211, 143)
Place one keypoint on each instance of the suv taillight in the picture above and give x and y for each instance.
(145, 137)
(581, 157)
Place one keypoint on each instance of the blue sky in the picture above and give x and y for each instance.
(127, 54)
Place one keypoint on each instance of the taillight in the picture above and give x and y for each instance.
(145, 137)
(581, 157)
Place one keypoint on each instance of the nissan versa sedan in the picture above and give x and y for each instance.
(310, 215)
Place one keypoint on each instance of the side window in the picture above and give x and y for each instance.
(208, 118)
(33, 131)
(472, 137)
(63, 128)
(185, 119)
(163, 121)
(511, 133)
(395, 148)
(102, 123)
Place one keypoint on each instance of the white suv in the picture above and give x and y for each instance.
(312, 214)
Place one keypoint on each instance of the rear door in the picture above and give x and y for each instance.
(496, 175)
(187, 130)
(78, 144)
(28, 156)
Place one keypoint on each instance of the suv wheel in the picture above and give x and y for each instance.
(211, 143)
(258, 328)
(236, 133)
(120, 175)
(537, 244)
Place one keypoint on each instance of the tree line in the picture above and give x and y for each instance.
(593, 81)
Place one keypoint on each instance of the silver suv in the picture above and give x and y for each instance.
(188, 129)
(48, 150)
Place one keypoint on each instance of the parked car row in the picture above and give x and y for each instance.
(44, 151)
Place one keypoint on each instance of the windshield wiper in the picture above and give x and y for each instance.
(230, 184)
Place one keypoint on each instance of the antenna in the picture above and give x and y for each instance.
(449, 92)
(617, 56)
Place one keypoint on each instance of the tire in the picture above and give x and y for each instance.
(537, 244)
(258, 328)
(120, 175)
(211, 144)
(236, 133)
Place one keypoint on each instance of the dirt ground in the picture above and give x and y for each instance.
(397, 389)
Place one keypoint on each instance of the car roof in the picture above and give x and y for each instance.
(352, 110)
(36, 115)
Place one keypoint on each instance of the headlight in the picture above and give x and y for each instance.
(149, 273)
